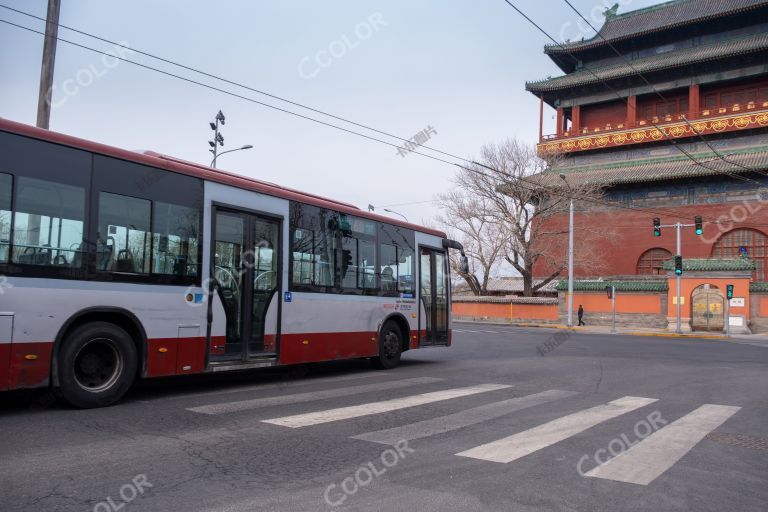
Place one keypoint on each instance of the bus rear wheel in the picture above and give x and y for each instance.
(390, 346)
(97, 365)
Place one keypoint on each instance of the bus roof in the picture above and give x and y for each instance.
(172, 164)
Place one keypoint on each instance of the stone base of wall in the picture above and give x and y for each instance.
(498, 320)
(623, 320)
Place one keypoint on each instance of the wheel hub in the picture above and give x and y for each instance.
(98, 365)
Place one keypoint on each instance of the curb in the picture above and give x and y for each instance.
(623, 333)
(675, 335)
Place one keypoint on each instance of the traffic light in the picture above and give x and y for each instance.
(729, 291)
(656, 226)
(609, 291)
(699, 226)
(346, 262)
(679, 265)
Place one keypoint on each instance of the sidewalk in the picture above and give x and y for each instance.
(751, 339)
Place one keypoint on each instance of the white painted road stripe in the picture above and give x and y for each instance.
(461, 419)
(534, 439)
(243, 405)
(655, 454)
(355, 411)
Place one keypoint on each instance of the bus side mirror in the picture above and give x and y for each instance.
(464, 264)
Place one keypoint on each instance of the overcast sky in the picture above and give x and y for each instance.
(401, 66)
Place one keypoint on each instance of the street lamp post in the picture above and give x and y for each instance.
(218, 138)
(213, 163)
(396, 213)
(570, 256)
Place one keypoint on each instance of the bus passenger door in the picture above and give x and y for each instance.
(247, 274)
(433, 279)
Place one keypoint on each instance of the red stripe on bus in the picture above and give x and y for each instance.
(175, 356)
(29, 365)
(327, 346)
(5, 365)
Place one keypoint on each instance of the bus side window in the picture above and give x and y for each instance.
(405, 283)
(389, 269)
(367, 265)
(48, 223)
(175, 239)
(6, 185)
(124, 234)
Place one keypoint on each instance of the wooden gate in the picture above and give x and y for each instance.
(707, 309)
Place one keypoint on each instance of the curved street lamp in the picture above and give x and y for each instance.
(397, 213)
(213, 162)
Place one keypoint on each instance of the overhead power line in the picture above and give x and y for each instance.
(237, 84)
(556, 191)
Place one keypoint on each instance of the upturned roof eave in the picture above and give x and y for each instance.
(597, 41)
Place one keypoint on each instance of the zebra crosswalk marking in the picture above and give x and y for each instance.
(655, 454)
(524, 443)
(356, 411)
(462, 419)
(243, 405)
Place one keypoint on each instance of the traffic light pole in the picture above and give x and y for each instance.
(570, 267)
(678, 227)
(679, 280)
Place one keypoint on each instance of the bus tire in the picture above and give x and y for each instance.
(390, 346)
(97, 365)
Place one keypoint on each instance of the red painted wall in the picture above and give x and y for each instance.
(634, 233)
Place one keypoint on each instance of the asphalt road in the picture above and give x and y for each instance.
(506, 419)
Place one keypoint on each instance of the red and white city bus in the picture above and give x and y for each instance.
(117, 265)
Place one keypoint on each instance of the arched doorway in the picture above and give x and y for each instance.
(707, 309)
(756, 244)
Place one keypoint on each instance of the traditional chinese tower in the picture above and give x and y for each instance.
(677, 123)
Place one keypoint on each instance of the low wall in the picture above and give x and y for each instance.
(633, 309)
(506, 309)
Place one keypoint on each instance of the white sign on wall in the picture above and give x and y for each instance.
(737, 302)
(736, 321)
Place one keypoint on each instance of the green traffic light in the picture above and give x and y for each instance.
(699, 231)
(679, 271)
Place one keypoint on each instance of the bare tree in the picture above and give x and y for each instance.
(507, 202)
(470, 219)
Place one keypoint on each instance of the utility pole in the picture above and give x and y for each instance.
(49, 62)
(570, 255)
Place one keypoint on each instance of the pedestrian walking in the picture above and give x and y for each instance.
(581, 315)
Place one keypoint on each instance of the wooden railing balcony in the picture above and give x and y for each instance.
(673, 126)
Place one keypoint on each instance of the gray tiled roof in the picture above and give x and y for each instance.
(508, 285)
(621, 286)
(657, 169)
(666, 16)
(713, 264)
(506, 300)
(695, 55)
